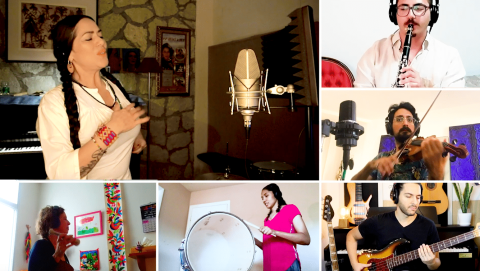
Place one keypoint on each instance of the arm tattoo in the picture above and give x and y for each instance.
(96, 157)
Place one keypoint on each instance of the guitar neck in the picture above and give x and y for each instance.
(333, 248)
(358, 192)
(413, 255)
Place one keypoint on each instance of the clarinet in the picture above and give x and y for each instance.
(406, 52)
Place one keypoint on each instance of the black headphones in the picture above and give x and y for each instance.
(55, 217)
(396, 192)
(434, 13)
(388, 123)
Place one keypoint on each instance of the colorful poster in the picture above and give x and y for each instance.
(115, 234)
(89, 260)
(88, 224)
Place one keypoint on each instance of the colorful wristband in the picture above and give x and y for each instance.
(106, 135)
(100, 148)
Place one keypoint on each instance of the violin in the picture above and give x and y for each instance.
(413, 151)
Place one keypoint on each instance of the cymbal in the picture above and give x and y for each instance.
(216, 176)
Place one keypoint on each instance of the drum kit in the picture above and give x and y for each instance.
(218, 241)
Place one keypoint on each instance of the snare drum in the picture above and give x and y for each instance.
(274, 170)
(218, 241)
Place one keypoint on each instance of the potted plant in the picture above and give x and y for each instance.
(464, 217)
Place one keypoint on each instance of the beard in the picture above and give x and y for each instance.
(403, 134)
(406, 211)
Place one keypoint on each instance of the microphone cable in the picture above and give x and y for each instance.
(246, 149)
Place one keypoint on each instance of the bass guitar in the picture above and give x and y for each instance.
(328, 216)
(357, 208)
(385, 259)
(433, 195)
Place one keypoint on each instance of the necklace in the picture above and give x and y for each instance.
(111, 89)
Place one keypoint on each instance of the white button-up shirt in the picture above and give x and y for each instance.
(61, 160)
(439, 65)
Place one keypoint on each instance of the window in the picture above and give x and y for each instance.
(8, 214)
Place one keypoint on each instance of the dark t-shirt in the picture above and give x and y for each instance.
(41, 258)
(385, 228)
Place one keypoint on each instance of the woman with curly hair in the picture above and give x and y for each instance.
(282, 231)
(87, 126)
(49, 252)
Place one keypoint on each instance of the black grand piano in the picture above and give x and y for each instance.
(21, 154)
(461, 257)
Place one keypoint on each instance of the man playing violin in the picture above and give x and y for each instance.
(430, 62)
(402, 223)
(401, 122)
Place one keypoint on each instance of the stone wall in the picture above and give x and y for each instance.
(132, 24)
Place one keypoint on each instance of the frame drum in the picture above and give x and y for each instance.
(218, 241)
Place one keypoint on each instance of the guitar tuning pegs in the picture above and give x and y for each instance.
(453, 159)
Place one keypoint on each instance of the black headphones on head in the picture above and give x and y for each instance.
(388, 123)
(396, 192)
(434, 13)
(55, 223)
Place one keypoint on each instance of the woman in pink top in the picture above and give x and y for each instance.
(282, 231)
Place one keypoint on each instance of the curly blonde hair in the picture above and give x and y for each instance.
(47, 218)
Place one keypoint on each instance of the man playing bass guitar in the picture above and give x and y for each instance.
(402, 223)
(401, 122)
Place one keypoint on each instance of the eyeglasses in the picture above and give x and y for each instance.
(401, 118)
(417, 10)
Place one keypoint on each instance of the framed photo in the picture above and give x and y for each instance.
(173, 55)
(131, 59)
(89, 260)
(30, 24)
(87, 225)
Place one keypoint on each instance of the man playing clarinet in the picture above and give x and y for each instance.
(430, 62)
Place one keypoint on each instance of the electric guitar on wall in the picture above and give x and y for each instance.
(357, 208)
(385, 259)
(434, 195)
(328, 216)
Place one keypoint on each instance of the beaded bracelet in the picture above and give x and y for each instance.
(106, 135)
(100, 148)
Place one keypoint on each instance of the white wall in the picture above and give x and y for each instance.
(81, 198)
(350, 27)
(27, 214)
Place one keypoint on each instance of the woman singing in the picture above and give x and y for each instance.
(87, 126)
(49, 252)
(283, 230)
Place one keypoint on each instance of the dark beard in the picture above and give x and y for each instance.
(401, 137)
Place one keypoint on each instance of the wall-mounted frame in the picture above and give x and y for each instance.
(87, 225)
(30, 23)
(89, 260)
(173, 54)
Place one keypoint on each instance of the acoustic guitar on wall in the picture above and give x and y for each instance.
(434, 195)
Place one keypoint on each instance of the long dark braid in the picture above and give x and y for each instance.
(63, 36)
(277, 194)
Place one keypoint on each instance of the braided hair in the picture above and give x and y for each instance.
(63, 36)
(277, 194)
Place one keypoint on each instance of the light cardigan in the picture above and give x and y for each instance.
(61, 160)
(439, 65)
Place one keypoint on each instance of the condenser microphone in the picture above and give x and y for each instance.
(247, 89)
(347, 129)
(75, 241)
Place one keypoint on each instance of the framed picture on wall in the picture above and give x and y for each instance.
(30, 24)
(173, 54)
(87, 225)
(89, 260)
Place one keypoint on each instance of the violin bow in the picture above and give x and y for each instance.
(410, 139)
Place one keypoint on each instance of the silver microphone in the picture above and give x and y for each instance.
(248, 88)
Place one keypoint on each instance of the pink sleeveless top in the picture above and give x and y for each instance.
(278, 253)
